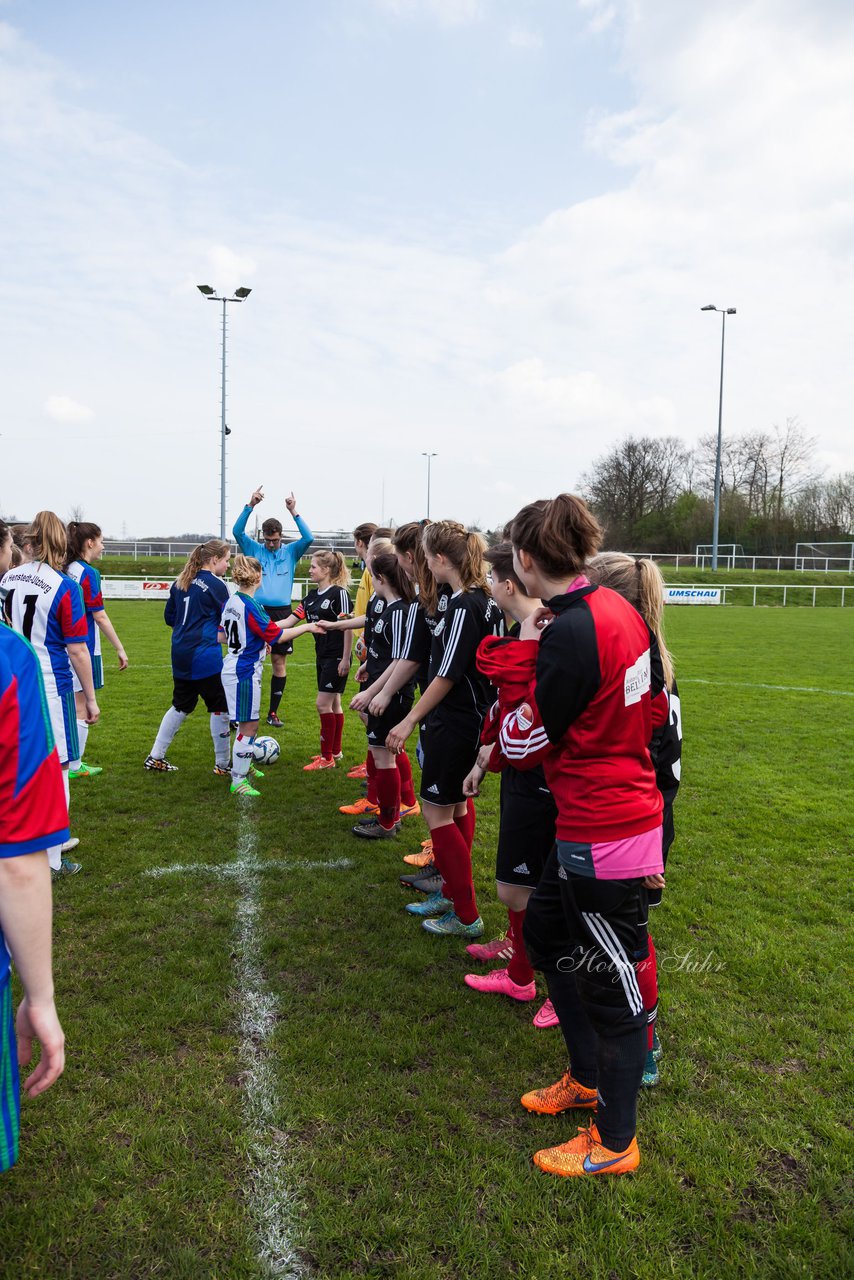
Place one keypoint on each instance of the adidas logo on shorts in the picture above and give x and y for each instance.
(561, 871)
(330, 686)
(434, 790)
(522, 869)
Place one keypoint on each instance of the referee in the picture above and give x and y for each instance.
(278, 563)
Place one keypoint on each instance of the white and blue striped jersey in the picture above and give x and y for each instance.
(248, 630)
(47, 608)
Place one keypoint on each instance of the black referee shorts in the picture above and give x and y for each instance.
(278, 613)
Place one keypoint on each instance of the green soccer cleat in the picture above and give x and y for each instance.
(451, 926)
(243, 788)
(650, 1077)
(85, 771)
(434, 905)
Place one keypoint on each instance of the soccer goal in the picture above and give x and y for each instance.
(823, 557)
(728, 553)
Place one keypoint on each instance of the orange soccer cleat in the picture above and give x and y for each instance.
(563, 1096)
(318, 762)
(359, 807)
(585, 1155)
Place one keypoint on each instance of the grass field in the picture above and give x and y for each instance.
(273, 1070)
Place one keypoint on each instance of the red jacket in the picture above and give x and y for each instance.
(578, 701)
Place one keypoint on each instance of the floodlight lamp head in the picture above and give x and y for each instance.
(710, 307)
(205, 289)
(242, 292)
(730, 311)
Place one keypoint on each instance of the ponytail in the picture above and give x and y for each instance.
(560, 534)
(48, 540)
(336, 566)
(198, 558)
(462, 547)
(386, 565)
(640, 582)
(79, 533)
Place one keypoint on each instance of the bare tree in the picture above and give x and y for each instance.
(76, 512)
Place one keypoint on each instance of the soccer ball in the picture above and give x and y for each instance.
(266, 750)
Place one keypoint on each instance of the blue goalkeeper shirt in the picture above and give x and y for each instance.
(277, 582)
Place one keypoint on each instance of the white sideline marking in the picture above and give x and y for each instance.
(270, 1197)
(248, 866)
(779, 688)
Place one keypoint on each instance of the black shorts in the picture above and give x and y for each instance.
(526, 834)
(450, 753)
(278, 613)
(667, 837)
(379, 727)
(328, 679)
(186, 693)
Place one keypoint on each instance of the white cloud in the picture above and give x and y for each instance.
(448, 13)
(524, 38)
(64, 409)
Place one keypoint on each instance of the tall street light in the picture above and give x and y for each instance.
(429, 457)
(240, 295)
(725, 311)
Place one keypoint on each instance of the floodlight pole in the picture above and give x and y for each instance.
(725, 311)
(429, 457)
(240, 295)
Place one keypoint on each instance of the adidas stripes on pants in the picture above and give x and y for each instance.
(584, 935)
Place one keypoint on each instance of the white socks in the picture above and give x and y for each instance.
(54, 853)
(243, 756)
(169, 726)
(82, 738)
(221, 734)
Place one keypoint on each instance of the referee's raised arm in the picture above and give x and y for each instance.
(248, 545)
(298, 549)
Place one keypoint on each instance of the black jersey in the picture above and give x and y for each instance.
(327, 605)
(464, 619)
(666, 748)
(384, 626)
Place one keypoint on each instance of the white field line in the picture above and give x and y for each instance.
(271, 1200)
(248, 865)
(778, 688)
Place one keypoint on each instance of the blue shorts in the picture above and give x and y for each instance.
(10, 1089)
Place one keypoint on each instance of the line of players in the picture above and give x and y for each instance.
(431, 618)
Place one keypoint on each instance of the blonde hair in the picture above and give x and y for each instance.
(201, 555)
(48, 539)
(246, 571)
(462, 547)
(640, 582)
(335, 565)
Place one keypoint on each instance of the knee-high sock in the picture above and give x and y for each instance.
(647, 975)
(388, 791)
(372, 779)
(339, 732)
(82, 737)
(518, 966)
(466, 823)
(54, 853)
(221, 734)
(327, 734)
(277, 688)
(242, 756)
(454, 862)
(169, 726)
(404, 768)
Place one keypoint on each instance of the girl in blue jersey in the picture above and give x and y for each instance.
(86, 544)
(193, 610)
(46, 607)
(247, 630)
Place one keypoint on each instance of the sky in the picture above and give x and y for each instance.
(482, 229)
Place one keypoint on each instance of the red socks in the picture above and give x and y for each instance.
(404, 768)
(339, 732)
(647, 976)
(372, 778)
(388, 792)
(453, 858)
(466, 824)
(518, 967)
(327, 734)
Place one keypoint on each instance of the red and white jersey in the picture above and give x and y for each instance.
(89, 580)
(46, 607)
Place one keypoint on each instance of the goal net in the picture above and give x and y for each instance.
(728, 554)
(824, 557)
